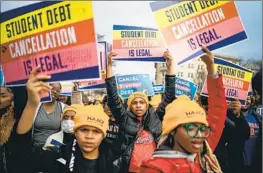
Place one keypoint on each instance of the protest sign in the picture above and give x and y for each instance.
(185, 87)
(66, 89)
(236, 80)
(102, 46)
(127, 84)
(133, 43)
(158, 89)
(45, 97)
(186, 25)
(91, 85)
(57, 35)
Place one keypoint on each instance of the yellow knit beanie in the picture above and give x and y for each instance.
(138, 94)
(73, 107)
(182, 111)
(92, 115)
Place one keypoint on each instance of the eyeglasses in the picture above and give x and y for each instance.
(193, 129)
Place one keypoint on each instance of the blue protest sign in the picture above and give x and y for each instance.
(185, 87)
(158, 89)
(127, 84)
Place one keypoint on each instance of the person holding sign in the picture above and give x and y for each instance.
(140, 124)
(46, 118)
(87, 153)
(193, 135)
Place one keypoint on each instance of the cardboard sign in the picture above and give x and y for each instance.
(186, 25)
(185, 87)
(57, 35)
(127, 84)
(236, 80)
(133, 43)
(158, 89)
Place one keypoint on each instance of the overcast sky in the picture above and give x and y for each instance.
(138, 13)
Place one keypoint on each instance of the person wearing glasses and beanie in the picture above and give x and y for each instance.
(193, 134)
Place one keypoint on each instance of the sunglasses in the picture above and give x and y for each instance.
(193, 130)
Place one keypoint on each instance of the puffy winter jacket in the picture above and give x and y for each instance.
(176, 162)
(129, 123)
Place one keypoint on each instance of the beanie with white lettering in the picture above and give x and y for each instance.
(92, 115)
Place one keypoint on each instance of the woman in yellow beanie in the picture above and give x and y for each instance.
(140, 124)
(194, 135)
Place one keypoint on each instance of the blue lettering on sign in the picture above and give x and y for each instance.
(129, 78)
(182, 82)
(185, 87)
(128, 84)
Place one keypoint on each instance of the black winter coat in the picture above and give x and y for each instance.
(237, 143)
(129, 123)
(57, 160)
(222, 150)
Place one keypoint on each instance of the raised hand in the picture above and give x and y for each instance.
(35, 85)
(109, 67)
(111, 54)
(208, 59)
(169, 63)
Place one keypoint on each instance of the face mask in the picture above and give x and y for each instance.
(67, 126)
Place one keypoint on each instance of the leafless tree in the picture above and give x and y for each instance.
(251, 63)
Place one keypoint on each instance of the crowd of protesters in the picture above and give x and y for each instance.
(140, 134)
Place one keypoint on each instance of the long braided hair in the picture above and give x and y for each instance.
(208, 160)
(7, 122)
